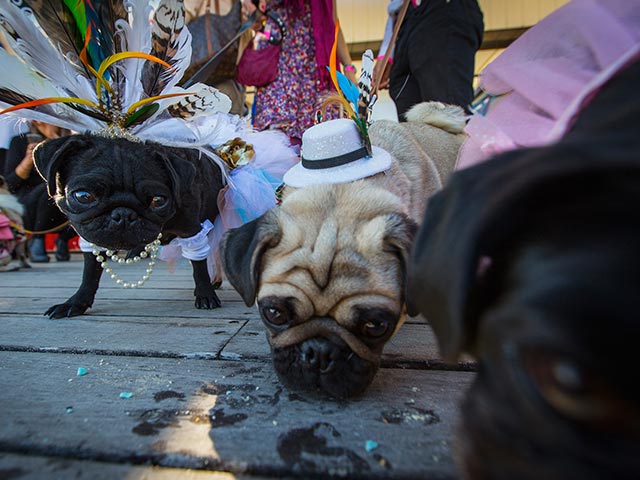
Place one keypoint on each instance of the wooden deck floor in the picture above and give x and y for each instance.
(205, 401)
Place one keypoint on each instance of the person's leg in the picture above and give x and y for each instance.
(47, 216)
(449, 34)
(62, 244)
(35, 245)
(405, 92)
(37, 249)
(403, 86)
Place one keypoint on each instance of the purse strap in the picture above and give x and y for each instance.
(207, 27)
(207, 22)
(283, 28)
(396, 28)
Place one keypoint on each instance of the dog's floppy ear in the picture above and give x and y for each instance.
(242, 249)
(181, 171)
(49, 157)
(400, 231)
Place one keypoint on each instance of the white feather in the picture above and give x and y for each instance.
(35, 49)
(212, 130)
(366, 76)
(171, 13)
(202, 100)
(137, 34)
(182, 59)
(18, 77)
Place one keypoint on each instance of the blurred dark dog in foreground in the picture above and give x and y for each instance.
(531, 262)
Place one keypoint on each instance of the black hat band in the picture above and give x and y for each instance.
(335, 161)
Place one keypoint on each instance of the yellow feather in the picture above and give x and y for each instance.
(157, 97)
(333, 67)
(107, 62)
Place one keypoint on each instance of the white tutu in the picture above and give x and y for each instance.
(249, 193)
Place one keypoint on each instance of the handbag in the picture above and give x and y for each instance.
(209, 33)
(259, 67)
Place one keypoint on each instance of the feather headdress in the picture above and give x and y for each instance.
(110, 67)
(357, 100)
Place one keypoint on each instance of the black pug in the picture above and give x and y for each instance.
(121, 194)
(531, 263)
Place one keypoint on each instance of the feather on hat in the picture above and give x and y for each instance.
(340, 151)
(110, 67)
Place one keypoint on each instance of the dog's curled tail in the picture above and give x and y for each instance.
(450, 118)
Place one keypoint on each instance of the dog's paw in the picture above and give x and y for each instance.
(207, 303)
(67, 309)
(207, 300)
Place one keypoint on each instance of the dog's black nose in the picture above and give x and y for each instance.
(123, 215)
(319, 355)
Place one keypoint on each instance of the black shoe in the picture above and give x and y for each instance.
(62, 250)
(37, 252)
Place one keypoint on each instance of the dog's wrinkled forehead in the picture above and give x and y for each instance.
(96, 164)
(332, 251)
(122, 161)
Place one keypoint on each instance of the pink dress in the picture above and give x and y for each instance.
(539, 84)
(290, 102)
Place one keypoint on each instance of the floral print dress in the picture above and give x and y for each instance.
(291, 101)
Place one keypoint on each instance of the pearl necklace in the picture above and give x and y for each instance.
(150, 250)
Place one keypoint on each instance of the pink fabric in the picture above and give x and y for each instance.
(546, 76)
(323, 27)
(291, 101)
(5, 228)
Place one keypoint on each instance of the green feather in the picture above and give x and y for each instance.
(141, 114)
(79, 14)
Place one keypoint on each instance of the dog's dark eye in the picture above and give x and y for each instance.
(158, 201)
(375, 324)
(375, 328)
(274, 315)
(84, 197)
(575, 391)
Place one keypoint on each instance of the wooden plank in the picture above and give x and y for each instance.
(27, 467)
(144, 336)
(53, 285)
(224, 415)
(414, 345)
(69, 274)
(128, 307)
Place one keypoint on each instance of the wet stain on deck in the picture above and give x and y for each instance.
(164, 394)
(313, 449)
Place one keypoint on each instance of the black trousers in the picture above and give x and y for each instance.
(41, 212)
(434, 55)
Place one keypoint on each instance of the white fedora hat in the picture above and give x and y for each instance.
(334, 152)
